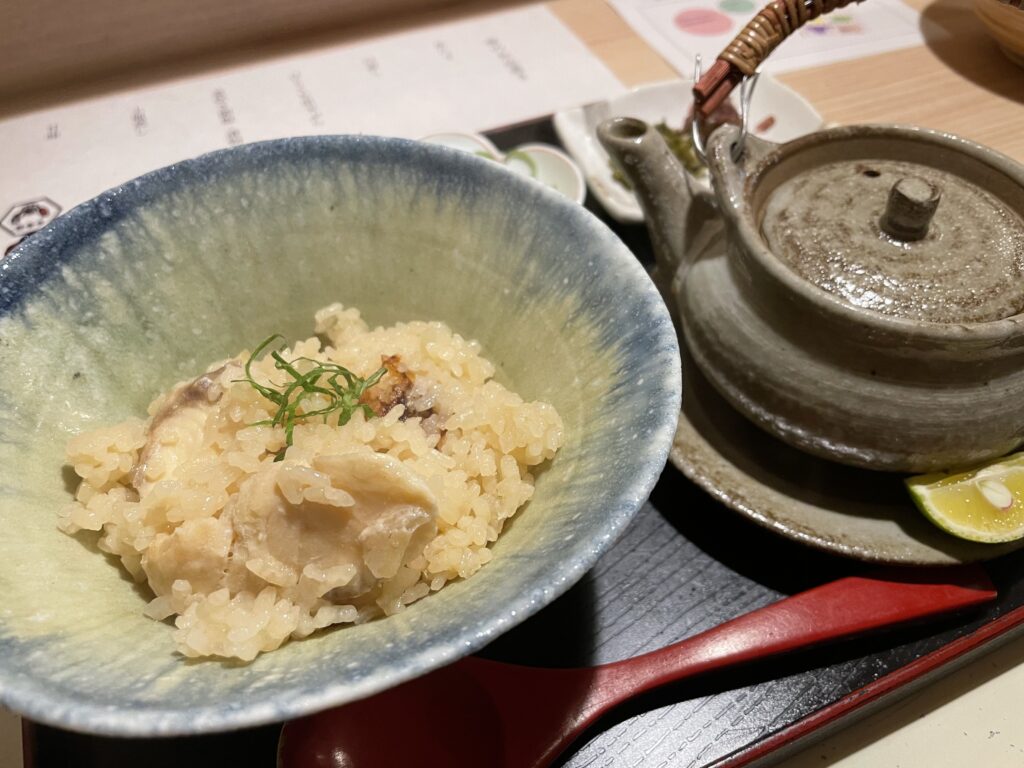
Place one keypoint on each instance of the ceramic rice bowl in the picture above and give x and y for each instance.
(150, 282)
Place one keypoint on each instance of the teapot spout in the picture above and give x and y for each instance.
(674, 209)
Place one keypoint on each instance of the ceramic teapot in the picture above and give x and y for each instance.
(857, 292)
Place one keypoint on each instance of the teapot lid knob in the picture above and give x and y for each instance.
(909, 210)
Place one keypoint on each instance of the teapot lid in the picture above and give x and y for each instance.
(938, 237)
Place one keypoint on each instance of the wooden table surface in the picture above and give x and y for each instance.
(958, 82)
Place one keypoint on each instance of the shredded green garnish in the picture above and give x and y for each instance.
(341, 388)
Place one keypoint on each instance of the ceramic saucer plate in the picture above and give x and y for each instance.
(777, 114)
(852, 512)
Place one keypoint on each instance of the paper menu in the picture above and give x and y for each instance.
(467, 75)
(680, 29)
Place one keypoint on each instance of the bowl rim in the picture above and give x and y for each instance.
(26, 266)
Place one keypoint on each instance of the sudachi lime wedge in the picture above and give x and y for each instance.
(985, 503)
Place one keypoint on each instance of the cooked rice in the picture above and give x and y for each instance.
(371, 516)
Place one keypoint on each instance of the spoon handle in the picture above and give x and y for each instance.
(836, 610)
(512, 717)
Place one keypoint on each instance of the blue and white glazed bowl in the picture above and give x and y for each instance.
(149, 282)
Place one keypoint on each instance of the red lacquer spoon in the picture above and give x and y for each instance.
(478, 713)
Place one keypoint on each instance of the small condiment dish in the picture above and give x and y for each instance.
(540, 162)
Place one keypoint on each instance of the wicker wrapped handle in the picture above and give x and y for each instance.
(776, 21)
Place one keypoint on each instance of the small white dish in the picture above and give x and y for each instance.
(541, 162)
(777, 114)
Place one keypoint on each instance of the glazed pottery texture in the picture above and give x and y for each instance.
(840, 381)
(150, 282)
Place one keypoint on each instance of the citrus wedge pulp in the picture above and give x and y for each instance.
(985, 503)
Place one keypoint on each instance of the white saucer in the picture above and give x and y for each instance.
(780, 113)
